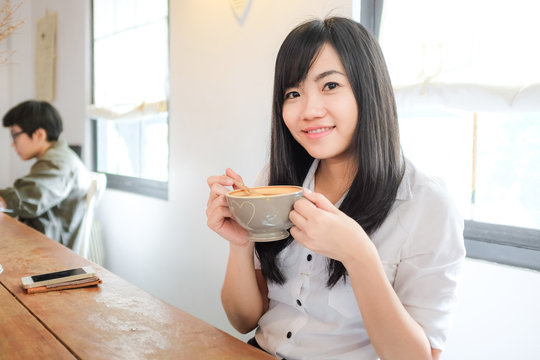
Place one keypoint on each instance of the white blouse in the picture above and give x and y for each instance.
(421, 248)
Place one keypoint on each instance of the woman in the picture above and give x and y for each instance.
(371, 266)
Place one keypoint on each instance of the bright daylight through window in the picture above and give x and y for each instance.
(467, 80)
(130, 90)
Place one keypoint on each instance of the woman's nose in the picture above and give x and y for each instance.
(314, 107)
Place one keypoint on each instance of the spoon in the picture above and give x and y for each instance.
(247, 189)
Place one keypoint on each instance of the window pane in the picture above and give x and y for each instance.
(507, 175)
(508, 172)
(135, 147)
(113, 16)
(130, 72)
(155, 149)
(131, 67)
(440, 144)
(443, 75)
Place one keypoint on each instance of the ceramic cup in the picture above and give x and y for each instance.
(265, 216)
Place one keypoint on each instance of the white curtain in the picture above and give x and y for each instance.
(127, 114)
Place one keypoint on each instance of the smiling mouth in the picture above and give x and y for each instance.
(318, 130)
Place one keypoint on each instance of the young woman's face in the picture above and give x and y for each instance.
(321, 113)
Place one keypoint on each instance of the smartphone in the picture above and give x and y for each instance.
(57, 277)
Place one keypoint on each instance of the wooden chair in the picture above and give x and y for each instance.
(89, 244)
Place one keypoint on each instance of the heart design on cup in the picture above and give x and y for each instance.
(236, 207)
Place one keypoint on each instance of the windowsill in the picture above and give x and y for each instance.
(503, 244)
(151, 188)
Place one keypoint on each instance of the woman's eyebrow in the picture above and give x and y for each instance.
(327, 73)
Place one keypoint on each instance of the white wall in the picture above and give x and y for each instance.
(498, 317)
(4, 105)
(72, 86)
(221, 83)
(16, 78)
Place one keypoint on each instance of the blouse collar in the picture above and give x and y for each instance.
(404, 191)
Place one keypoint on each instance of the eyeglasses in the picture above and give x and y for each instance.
(14, 136)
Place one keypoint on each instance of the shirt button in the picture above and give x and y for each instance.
(289, 334)
(309, 257)
(298, 302)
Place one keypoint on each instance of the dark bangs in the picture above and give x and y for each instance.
(289, 161)
(295, 58)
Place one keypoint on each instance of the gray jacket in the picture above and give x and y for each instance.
(51, 198)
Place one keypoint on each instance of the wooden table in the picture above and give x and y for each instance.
(115, 320)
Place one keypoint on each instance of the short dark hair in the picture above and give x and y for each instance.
(375, 144)
(31, 115)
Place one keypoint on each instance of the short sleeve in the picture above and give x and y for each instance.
(431, 260)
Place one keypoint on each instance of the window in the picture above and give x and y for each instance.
(467, 85)
(130, 93)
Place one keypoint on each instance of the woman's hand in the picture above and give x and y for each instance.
(323, 228)
(219, 216)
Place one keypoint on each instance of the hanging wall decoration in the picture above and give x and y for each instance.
(46, 57)
(240, 9)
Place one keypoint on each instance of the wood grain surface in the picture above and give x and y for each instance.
(22, 336)
(115, 320)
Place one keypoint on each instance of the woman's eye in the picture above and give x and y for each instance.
(331, 85)
(292, 94)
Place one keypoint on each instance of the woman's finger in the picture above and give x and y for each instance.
(214, 203)
(297, 219)
(304, 206)
(297, 234)
(230, 173)
(216, 215)
(219, 179)
(319, 200)
(216, 190)
(220, 220)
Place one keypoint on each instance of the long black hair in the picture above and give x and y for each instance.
(375, 145)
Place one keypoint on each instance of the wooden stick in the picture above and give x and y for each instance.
(247, 189)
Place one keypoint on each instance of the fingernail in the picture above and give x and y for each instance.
(307, 191)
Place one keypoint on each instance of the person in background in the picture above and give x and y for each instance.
(371, 267)
(51, 198)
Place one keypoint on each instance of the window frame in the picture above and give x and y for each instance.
(147, 187)
(508, 245)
